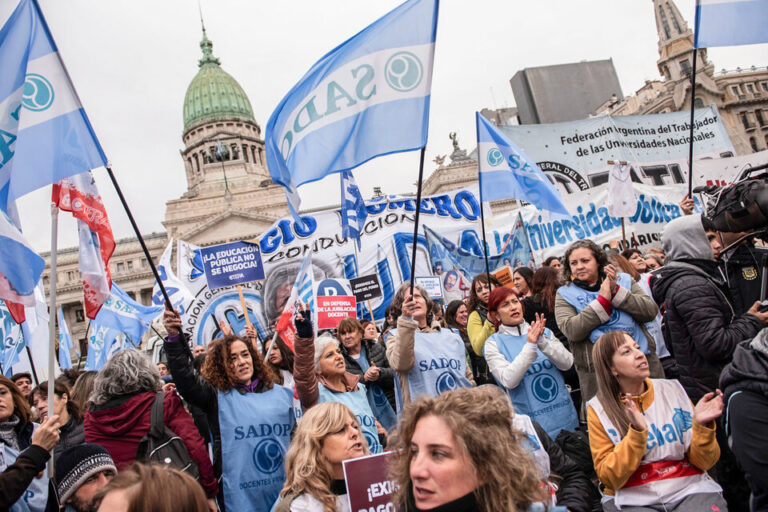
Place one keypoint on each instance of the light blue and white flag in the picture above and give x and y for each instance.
(101, 345)
(177, 291)
(353, 212)
(505, 171)
(730, 22)
(65, 342)
(366, 98)
(20, 265)
(11, 340)
(123, 314)
(45, 135)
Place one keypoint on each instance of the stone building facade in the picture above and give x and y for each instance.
(229, 192)
(741, 95)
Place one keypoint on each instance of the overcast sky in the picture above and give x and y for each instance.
(132, 60)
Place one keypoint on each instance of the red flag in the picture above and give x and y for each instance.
(79, 195)
(17, 311)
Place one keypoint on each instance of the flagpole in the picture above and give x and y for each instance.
(80, 359)
(31, 363)
(485, 244)
(690, 143)
(168, 303)
(416, 219)
(52, 317)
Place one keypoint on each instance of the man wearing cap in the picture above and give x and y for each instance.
(81, 472)
(23, 381)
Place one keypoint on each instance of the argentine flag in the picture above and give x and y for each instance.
(45, 135)
(366, 98)
(65, 342)
(730, 22)
(505, 171)
(353, 211)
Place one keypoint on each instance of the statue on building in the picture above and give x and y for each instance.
(458, 155)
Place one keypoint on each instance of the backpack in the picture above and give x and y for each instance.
(161, 445)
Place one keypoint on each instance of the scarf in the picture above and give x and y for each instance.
(250, 388)
(466, 503)
(589, 287)
(8, 432)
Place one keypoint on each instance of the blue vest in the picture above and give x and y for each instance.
(255, 434)
(620, 320)
(541, 394)
(380, 406)
(357, 401)
(35, 496)
(440, 365)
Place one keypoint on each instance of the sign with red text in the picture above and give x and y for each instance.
(369, 488)
(332, 309)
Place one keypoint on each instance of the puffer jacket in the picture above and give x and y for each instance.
(376, 355)
(701, 327)
(748, 371)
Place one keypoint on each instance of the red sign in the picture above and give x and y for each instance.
(332, 309)
(369, 488)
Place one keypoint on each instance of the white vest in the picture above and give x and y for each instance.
(664, 476)
(533, 444)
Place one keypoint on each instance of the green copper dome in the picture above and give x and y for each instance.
(213, 94)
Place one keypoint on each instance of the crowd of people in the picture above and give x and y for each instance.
(606, 379)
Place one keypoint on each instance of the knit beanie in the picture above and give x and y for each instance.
(77, 464)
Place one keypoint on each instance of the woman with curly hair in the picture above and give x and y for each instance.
(328, 435)
(597, 299)
(250, 417)
(458, 451)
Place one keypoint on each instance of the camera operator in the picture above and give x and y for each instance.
(702, 329)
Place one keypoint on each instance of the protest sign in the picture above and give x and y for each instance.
(365, 287)
(331, 287)
(231, 264)
(368, 485)
(432, 284)
(504, 275)
(332, 309)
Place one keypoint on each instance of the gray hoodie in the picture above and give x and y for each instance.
(684, 238)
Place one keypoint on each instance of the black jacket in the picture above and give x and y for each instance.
(748, 371)
(376, 354)
(575, 491)
(701, 327)
(198, 391)
(17, 476)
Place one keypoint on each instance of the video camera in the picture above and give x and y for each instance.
(741, 206)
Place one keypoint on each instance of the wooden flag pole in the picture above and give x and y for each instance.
(416, 218)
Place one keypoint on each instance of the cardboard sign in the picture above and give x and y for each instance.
(504, 275)
(232, 263)
(432, 284)
(332, 309)
(368, 485)
(365, 287)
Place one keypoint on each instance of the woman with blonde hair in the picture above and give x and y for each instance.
(458, 452)
(328, 434)
(650, 445)
(157, 488)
